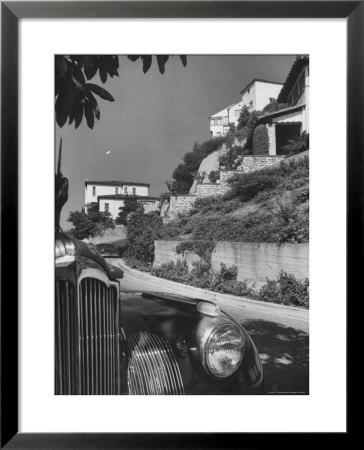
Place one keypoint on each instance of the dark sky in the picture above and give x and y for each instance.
(156, 119)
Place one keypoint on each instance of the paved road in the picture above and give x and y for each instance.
(282, 340)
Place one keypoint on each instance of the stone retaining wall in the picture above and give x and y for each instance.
(255, 262)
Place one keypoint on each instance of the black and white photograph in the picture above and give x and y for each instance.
(181, 224)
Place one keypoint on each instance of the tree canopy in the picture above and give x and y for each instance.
(75, 96)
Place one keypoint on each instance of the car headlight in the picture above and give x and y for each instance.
(224, 350)
(64, 247)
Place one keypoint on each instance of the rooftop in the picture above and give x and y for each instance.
(116, 183)
(296, 68)
(123, 197)
(261, 81)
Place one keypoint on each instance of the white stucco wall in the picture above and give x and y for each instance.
(114, 206)
(265, 91)
(249, 96)
(234, 113)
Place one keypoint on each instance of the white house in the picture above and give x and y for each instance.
(112, 203)
(109, 196)
(255, 95)
(258, 93)
(291, 121)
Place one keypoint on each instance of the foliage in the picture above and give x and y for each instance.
(165, 197)
(250, 126)
(297, 145)
(203, 249)
(143, 229)
(273, 106)
(214, 175)
(243, 118)
(283, 222)
(131, 204)
(232, 157)
(75, 96)
(286, 290)
(247, 186)
(91, 224)
(186, 171)
(260, 140)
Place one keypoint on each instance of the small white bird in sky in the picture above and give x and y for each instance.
(108, 152)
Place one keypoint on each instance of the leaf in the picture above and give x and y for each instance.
(184, 60)
(91, 66)
(94, 105)
(162, 59)
(89, 114)
(101, 92)
(103, 74)
(61, 113)
(78, 115)
(133, 57)
(147, 62)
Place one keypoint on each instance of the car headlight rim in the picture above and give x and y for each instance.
(207, 351)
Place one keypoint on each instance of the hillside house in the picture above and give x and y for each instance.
(258, 93)
(254, 96)
(109, 196)
(293, 120)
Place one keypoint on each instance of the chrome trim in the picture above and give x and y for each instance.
(152, 367)
(204, 331)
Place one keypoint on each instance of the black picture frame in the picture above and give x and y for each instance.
(11, 12)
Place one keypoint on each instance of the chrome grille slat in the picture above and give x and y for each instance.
(152, 367)
(67, 350)
(99, 311)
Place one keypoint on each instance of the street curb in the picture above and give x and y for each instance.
(223, 299)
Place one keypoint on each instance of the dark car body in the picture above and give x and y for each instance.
(110, 343)
(107, 250)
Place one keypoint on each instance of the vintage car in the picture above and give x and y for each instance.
(107, 250)
(108, 342)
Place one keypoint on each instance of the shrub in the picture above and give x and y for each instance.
(274, 106)
(297, 145)
(186, 171)
(232, 157)
(286, 290)
(243, 118)
(247, 186)
(260, 140)
(131, 204)
(203, 249)
(143, 229)
(214, 175)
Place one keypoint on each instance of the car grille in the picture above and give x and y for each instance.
(152, 367)
(99, 338)
(87, 339)
(66, 327)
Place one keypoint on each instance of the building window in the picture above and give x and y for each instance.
(93, 191)
(237, 112)
(134, 191)
(106, 207)
(116, 191)
(215, 121)
(225, 120)
(125, 190)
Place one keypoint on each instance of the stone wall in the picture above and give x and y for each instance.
(254, 163)
(255, 262)
(178, 204)
(208, 190)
